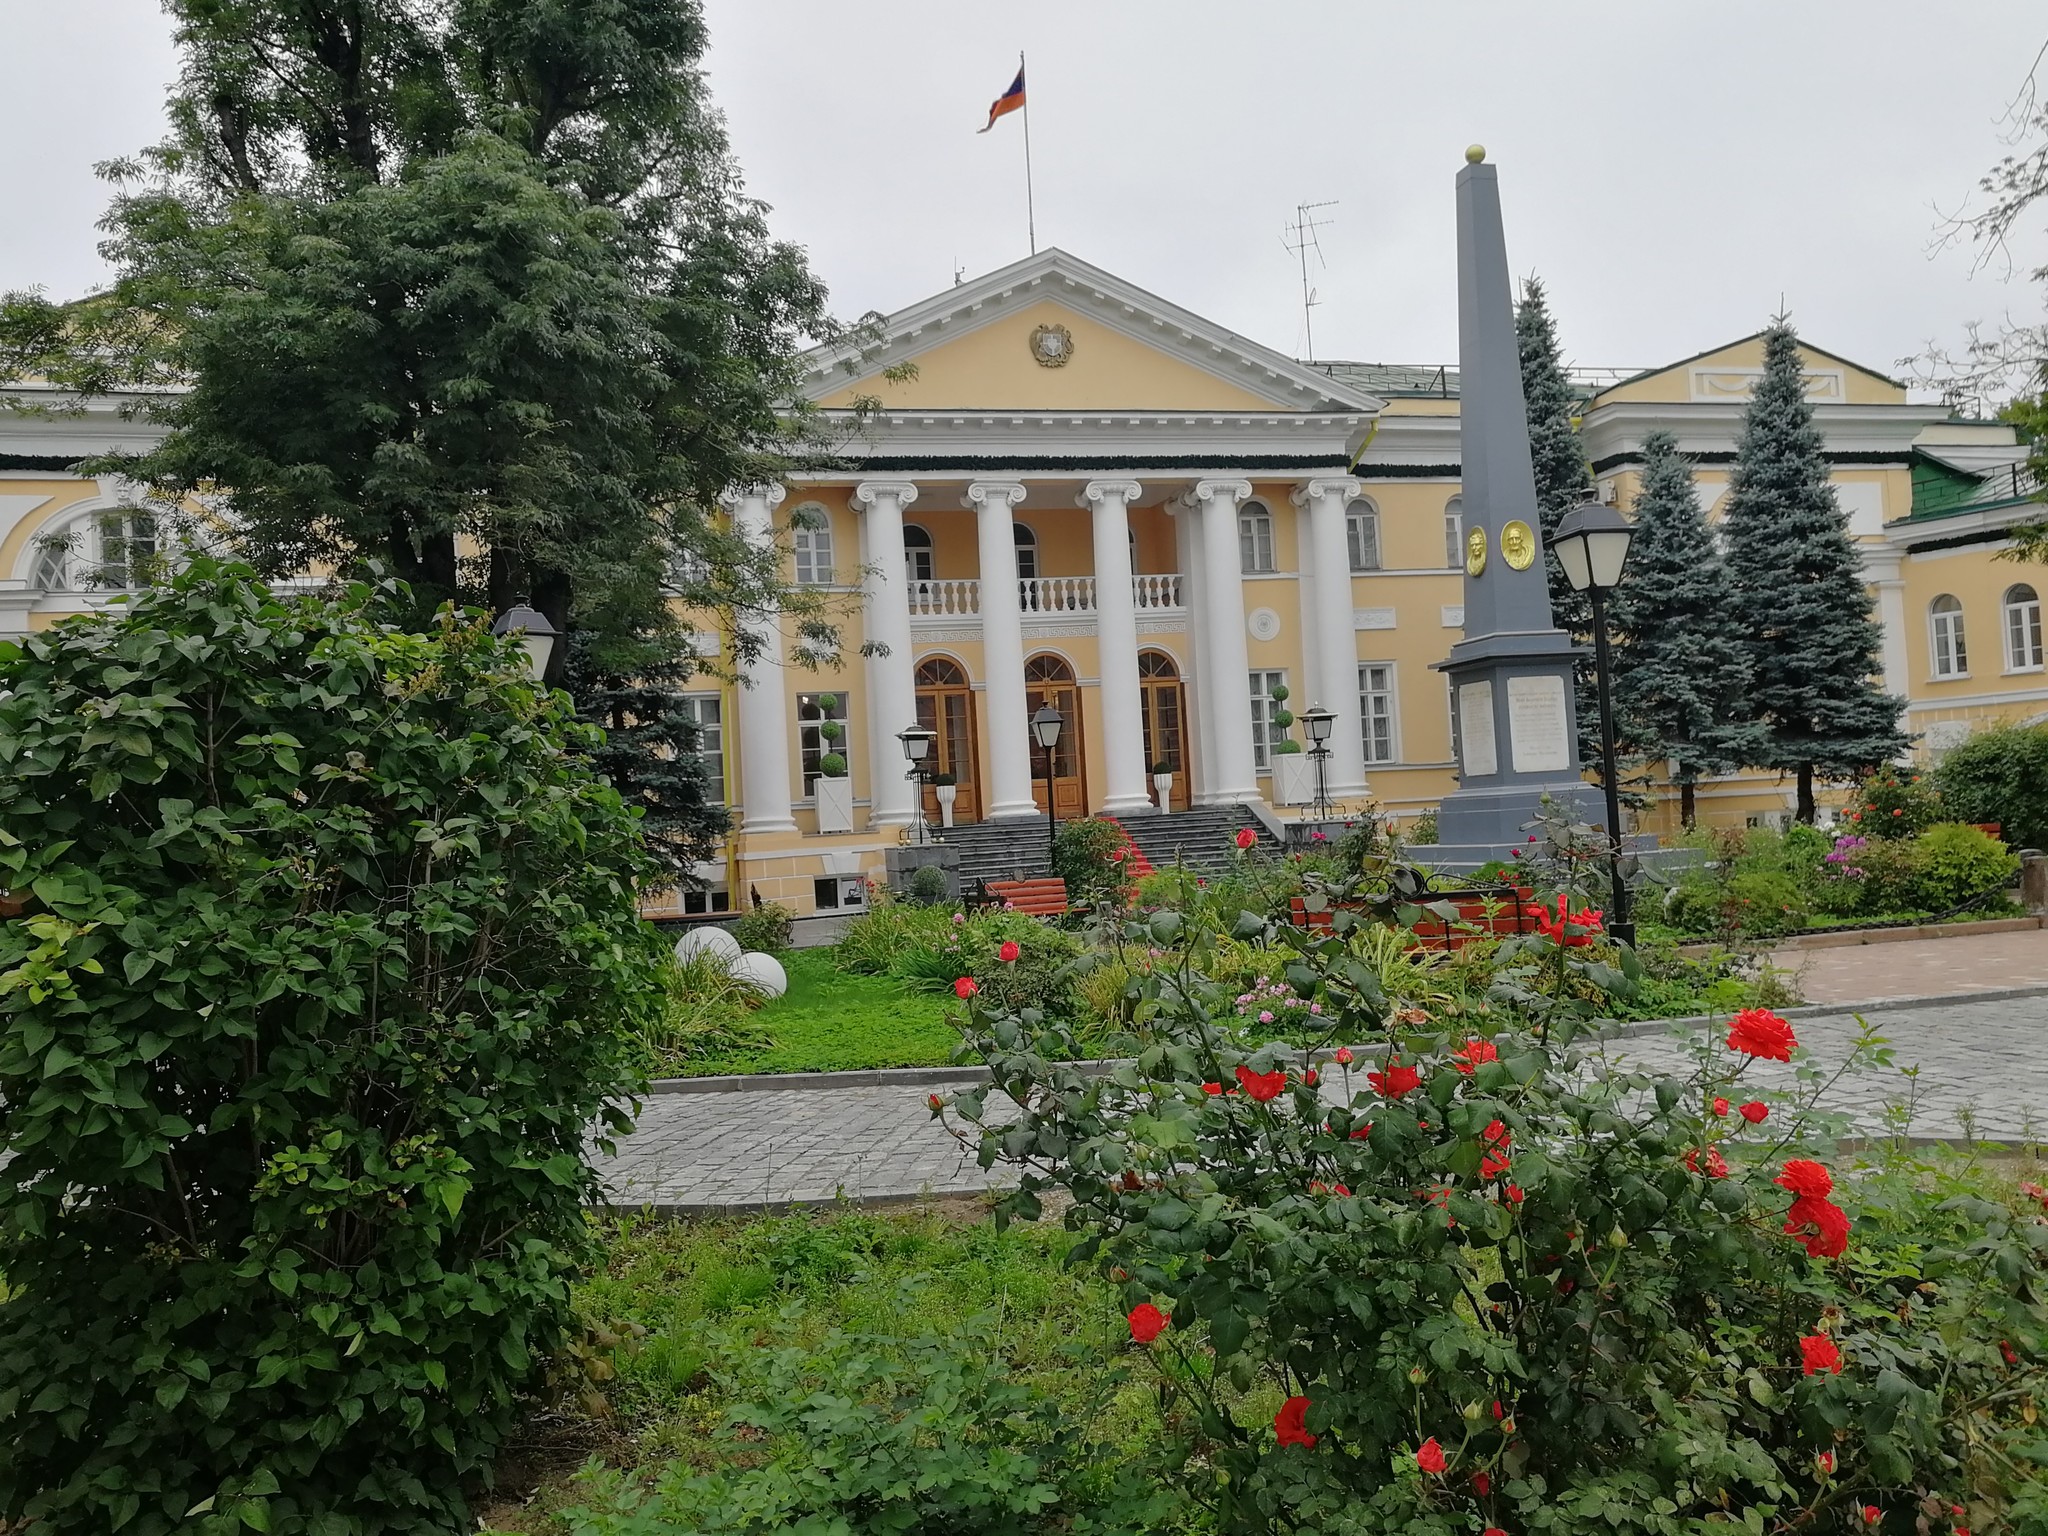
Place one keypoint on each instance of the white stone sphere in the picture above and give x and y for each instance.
(708, 940)
(764, 973)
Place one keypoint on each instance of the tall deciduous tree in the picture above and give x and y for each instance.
(1802, 611)
(1681, 683)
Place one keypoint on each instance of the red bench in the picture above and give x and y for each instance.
(1478, 917)
(1034, 898)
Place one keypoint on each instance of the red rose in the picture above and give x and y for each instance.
(1830, 1224)
(1824, 1464)
(1147, 1322)
(2005, 1348)
(1818, 1353)
(1395, 1081)
(1754, 1112)
(1872, 1514)
(935, 1101)
(1212, 1089)
(1716, 1164)
(1720, 1106)
(1245, 838)
(1498, 1411)
(1362, 1132)
(1343, 1056)
(1571, 929)
(1009, 952)
(965, 988)
(1339, 1189)
(1472, 1054)
(1261, 1085)
(1760, 1032)
(1481, 1484)
(1493, 1530)
(1430, 1457)
(1309, 1077)
(1805, 1177)
(1287, 1423)
(1514, 1194)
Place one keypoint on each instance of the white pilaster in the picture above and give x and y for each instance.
(1187, 549)
(763, 699)
(1002, 650)
(1883, 569)
(1335, 638)
(1226, 689)
(1116, 630)
(892, 683)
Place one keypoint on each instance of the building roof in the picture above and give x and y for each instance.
(1439, 381)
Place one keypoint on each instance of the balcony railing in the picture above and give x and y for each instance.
(1040, 595)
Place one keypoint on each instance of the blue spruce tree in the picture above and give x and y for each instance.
(1682, 679)
(1801, 609)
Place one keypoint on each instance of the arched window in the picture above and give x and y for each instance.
(1362, 535)
(811, 538)
(917, 555)
(1454, 533)
(2022, 629)
(1948, 658)
(940, 672)
(1254, 538)
(118, 549)
(1157, 664)
(1027, 551)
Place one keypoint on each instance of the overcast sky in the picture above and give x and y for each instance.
(1670, 169)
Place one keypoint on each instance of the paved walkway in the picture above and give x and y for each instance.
(1859, 973)
(1982, 1071)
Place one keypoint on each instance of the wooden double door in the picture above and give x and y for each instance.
(1164, 705)
(945, 707)
(1050, 680)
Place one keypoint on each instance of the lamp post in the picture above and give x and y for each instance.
(1315, 725)
(535, 633)
(1591, 544)
(1045, 727)
(917, 749)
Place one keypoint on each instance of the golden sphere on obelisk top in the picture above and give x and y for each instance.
(1474, 153)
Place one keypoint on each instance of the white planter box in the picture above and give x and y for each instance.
(1162, 786)
(835, 804)
(1294, 778)
(947, 793)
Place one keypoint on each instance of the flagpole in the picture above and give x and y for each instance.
(1030, 207)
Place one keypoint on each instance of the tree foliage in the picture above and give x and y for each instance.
(1803, 613)
(1681, 679)
(330, 954)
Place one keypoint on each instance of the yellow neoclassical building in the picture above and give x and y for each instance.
(1078, 495)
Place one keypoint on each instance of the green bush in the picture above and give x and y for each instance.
(890, 927)
(1422, 831)
(332, 963)
(1893, 805)
(705, 1012)
(1957, 863)
(928, 885)
(1089, 854)
(1754, 903)
(767, 928)
(2000, 775)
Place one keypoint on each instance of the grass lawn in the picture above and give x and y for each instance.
(830, 1021)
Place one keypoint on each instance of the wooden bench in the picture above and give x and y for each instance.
(1512, 913)
(1034, 898)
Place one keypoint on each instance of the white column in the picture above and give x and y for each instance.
(1226, 686)
(892, 684)
(1883, 569)
(1335, 638)
(763, 698)
(1002, 651)
(1116, 641)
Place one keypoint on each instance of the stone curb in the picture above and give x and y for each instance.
(936, 1077)
(1849, 938)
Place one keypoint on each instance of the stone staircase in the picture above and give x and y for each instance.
(1202, 839)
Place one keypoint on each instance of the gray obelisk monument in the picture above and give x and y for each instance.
(1511, 676)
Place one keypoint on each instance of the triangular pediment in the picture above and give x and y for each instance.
(1052, 333)
(1729, 373)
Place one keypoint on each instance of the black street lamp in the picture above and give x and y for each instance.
(1046, 726)
(1591, 544)
(1315, 725)
(917, 748)
(535, 633)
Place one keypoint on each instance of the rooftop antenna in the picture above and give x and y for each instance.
(959, 273)
(1300, 239)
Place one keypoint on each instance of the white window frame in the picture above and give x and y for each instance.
(1948, 653)
(1364, 552)
(810, 542)
(710, 751)
(1387, 748)
(2020, 619)
(1255, 540)
(1261, 682)
(917, 558)
(1454, 534)
(1024, 539)
(810, 745)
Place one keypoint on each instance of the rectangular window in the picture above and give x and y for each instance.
(127, 549)
(1376, 709)
(1254, 540)
(1950, 657)
(2023, 634)
(811, 542)
(707, 711)
(1454, 540)
(703, 903)
(1362, 534)
(1263, 732)
(812, 711)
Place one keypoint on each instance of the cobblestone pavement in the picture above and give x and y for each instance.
(1861, 973)
(1982, 1071)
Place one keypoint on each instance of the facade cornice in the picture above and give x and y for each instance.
(1106, 299)
(1613, 433)
(895, 436)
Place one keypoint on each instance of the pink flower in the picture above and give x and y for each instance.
(959, 918)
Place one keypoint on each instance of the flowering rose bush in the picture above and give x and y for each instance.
(1524, 1287)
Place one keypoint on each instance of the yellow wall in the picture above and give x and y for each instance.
(1675, 384)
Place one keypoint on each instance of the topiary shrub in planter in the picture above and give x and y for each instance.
(330, 968)
(1495, 1281)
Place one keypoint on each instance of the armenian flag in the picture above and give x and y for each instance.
(1009, 101)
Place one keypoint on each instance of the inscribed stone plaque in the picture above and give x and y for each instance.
(1538, 730)
(1475, 725)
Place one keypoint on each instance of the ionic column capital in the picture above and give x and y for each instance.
(770, 493)
(1095, 492)
(1341, 489)
(1211, 492)
(994, 495)
(868, 492)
